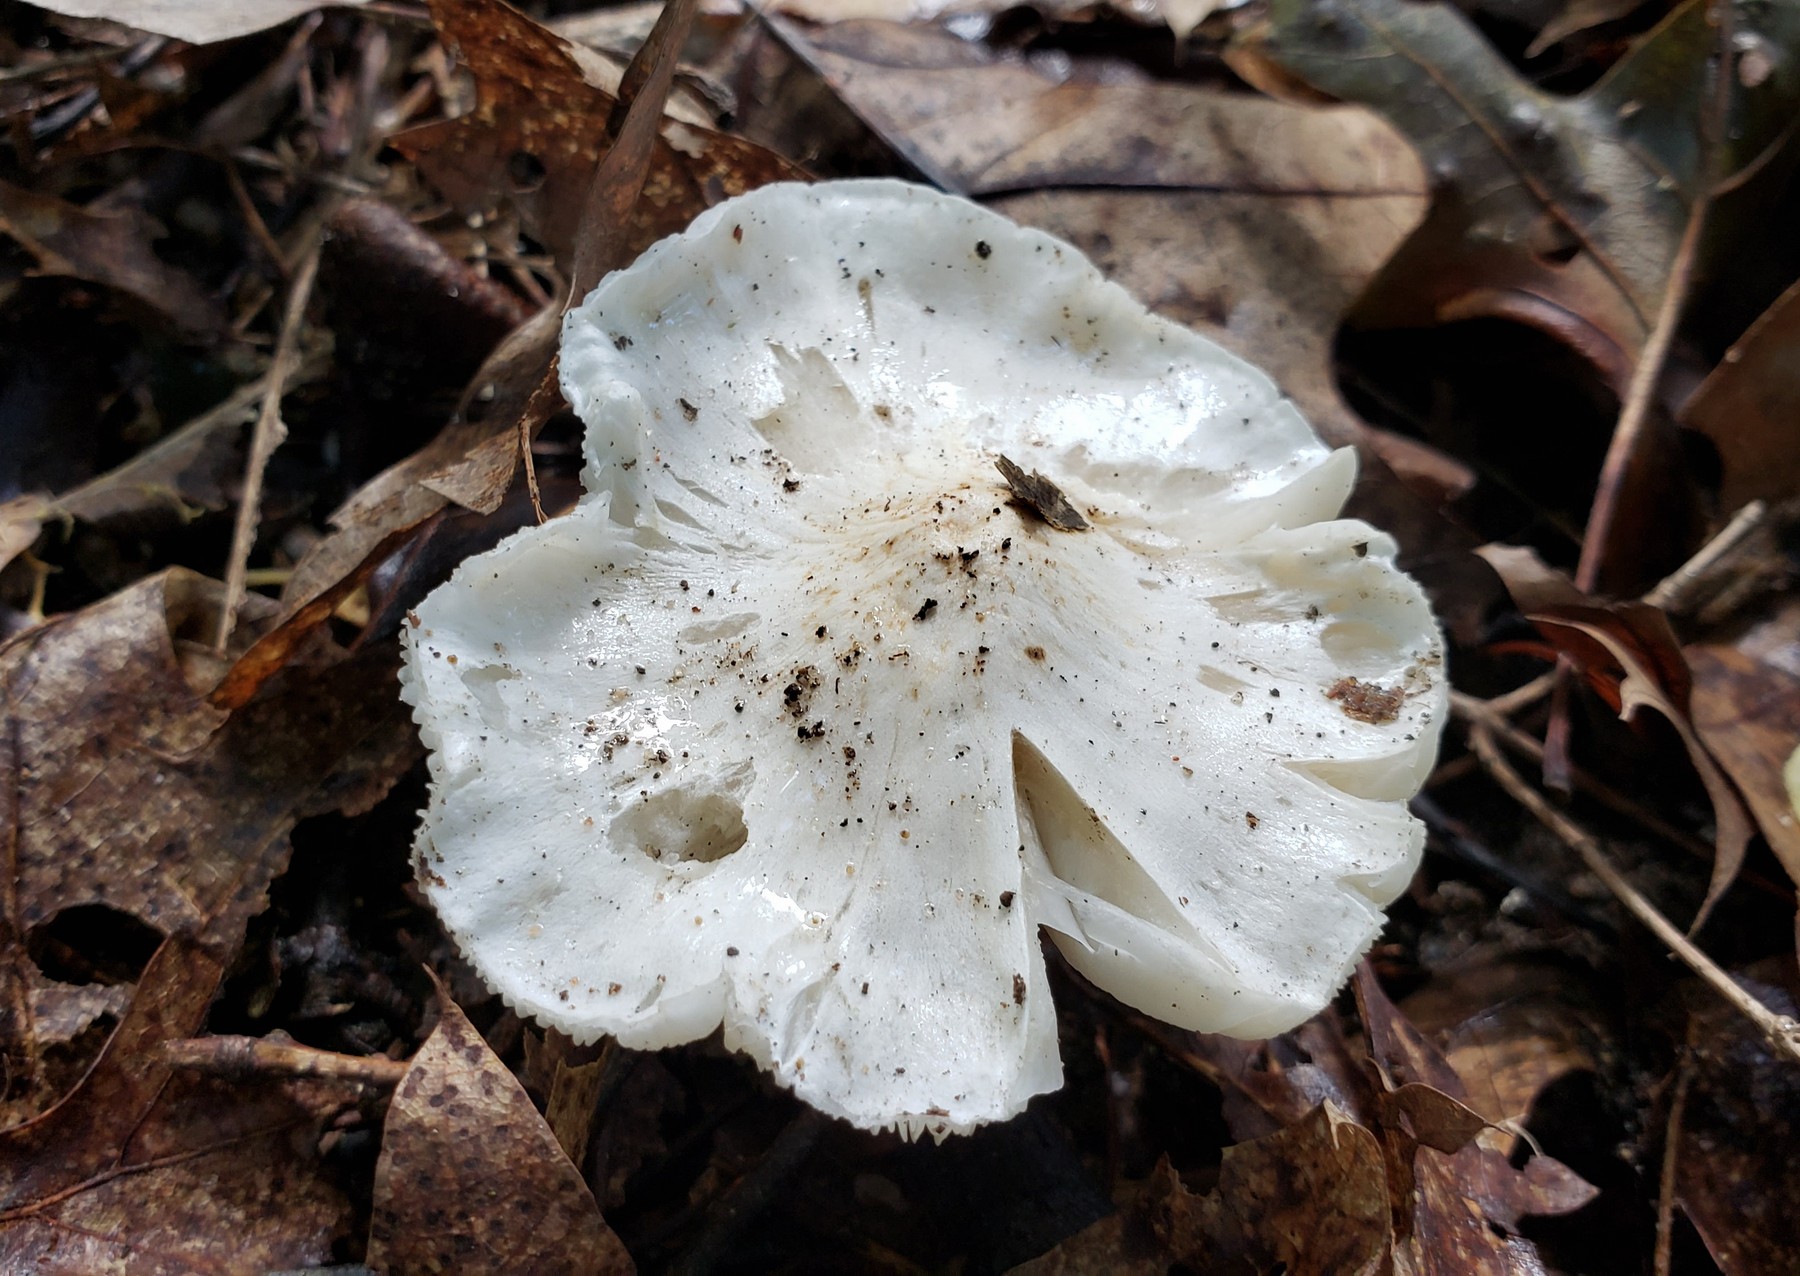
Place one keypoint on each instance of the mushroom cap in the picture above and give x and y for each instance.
(807, 717)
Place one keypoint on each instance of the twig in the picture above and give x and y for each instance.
(1782, 1032)
(1634, 413)
(245, 1057)
(1665, 1197)
(1523, 743)
(1674, 592)
(253, 220)
(1523, 697)
(55, 66)
(268, 434)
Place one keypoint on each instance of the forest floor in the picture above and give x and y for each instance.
(279, 293)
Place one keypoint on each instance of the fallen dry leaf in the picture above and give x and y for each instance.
(127, 792)
(1748, 405)
(1510, 1025)
(471, 1178)
(196, 21)
(1631, 657)
(530, 92)
(1747, 712)
(1453, 1198)
(110, 248)
(143, 1170)
(538, 129)
(570, 1078)
(1309, 1200)
(1736, 1176)
(1457, 1200)
(1559, 212)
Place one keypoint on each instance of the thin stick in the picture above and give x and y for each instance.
(1673, 592)
(270, 431)
(1782, 1032)
(1603, 793)
(243, 1057)
(1523, 697)
(1665, 1197)
(253, 220)
(1634, 414)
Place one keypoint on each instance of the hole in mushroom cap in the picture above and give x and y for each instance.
(483, 682)
(683, 823)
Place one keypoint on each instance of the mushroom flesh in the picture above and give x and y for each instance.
(926, 591)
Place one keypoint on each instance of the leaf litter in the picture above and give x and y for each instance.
(211, 1033)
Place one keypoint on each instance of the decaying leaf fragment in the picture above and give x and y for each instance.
(1038, 493)
(1556, 211)
(127, 792)
(143, 1169)
(539, 124)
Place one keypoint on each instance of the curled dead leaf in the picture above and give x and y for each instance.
(1630, 655)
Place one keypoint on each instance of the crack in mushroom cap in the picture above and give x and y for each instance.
(798, 724)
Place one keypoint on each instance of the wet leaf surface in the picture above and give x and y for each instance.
(1551, 209)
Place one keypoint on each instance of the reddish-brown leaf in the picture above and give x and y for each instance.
(539, 127)
(1630, 655)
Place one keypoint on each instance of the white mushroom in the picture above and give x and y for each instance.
(808, 716)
